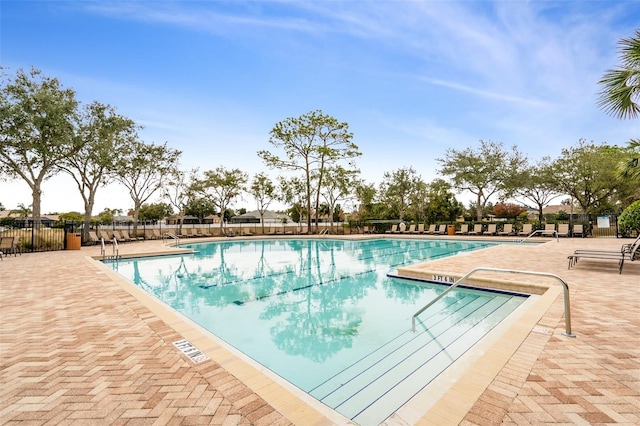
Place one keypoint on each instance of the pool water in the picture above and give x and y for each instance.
(324, 315)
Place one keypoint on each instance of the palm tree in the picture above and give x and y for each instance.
(621, 87)
(631, 167)
(621, 93)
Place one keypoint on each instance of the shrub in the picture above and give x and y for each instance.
(508, 210)
(629, 220)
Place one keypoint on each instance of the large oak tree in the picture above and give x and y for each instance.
(486, 171)
(37, 130)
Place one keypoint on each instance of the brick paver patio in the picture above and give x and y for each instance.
(76, 347)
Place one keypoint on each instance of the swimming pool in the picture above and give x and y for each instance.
(324, 315)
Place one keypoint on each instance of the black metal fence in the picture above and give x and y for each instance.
(65, 235)
(32, 239)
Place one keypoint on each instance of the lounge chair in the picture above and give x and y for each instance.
(464, 229)
(411, 230)
(201, 232)
(526, 229)
(578, 230)
(431, 230)
(549, 230)
(477, 229)
(507, 229)
(629, 252)
(491, 229)
(247, 233)
(400, 229)
(93, 237)
(109, 235)
(129, 237)
(9, 245)
(442, 229)
(123, 236)
(563, 230)
(419, 230)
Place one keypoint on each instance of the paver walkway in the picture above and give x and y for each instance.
(75, 348)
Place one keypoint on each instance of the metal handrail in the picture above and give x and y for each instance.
(541, 231)
(170, 235)
(103, 249)
(565, 288)
(115, 248)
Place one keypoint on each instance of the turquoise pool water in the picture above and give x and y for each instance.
(324, 315)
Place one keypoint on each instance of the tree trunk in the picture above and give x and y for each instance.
(35, 212)
(479, 207)
(136, 214)
(88, 209)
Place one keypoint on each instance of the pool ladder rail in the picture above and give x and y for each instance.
(565, 288)
(168, 235)
(114, 255)
(543, 233)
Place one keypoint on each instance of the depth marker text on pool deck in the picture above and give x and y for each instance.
(191, 351)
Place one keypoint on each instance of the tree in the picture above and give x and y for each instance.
(155, 211)
(620, 96)
(179, 189)
(441, 202)
(365, 194)
(337, 186)
(311, 143)
(292, 192)
(621, 87)
(538, 185)
(199, 207)
(142, 168)
(484, 172)
(508, 210)
(588, 173)
(37, 117)
(23, 211)
(106, 216)
(102, 134)
(264, 192)
(397, 189)
(221, 186)
(70, 217)
(631, 167)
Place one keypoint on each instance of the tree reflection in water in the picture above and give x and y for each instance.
(308, 295)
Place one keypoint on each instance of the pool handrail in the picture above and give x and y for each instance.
(170, 235)
(565, 288)
(115, 255)
(541, 232)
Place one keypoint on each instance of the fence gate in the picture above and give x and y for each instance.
(605, 226)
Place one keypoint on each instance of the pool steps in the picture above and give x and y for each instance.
(408, 363)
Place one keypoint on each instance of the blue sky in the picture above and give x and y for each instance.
(412, 78)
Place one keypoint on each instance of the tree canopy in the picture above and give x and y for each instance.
(311, 143)
(102, 134)
(221, 186)
(485, 171)
(588, 173)
(37, 129)
(142, 168)
(620, 92)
